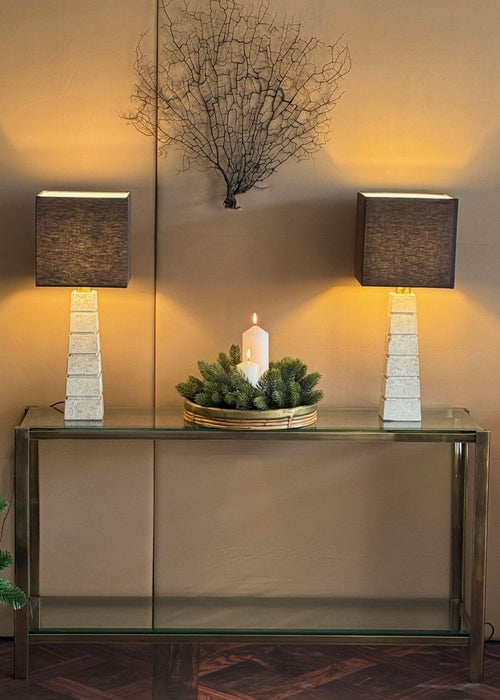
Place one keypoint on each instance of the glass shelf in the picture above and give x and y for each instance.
(259, 617)
(449, 421)
(216, 615)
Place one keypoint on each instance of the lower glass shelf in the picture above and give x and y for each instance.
(220, 615)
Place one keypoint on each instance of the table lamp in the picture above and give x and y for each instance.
(83, 241)
(404, 241)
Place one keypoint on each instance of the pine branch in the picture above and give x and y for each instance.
(11, 595)
(285, 384)
(6, 559)
(309, 381)
(190, 387)
(224, 362)
(260, 403)
(293, 394)
(235, 355)
(311, 398)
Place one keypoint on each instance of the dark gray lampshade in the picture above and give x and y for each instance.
(82, 239)
(406, 240)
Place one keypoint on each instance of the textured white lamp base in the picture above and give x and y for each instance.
(84, 399)
(401, 383)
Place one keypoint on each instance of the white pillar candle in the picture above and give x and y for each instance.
(256, 340)
(249, 369)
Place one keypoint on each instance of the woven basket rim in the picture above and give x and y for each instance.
(253, 414)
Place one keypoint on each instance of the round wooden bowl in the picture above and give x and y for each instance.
(197, 416)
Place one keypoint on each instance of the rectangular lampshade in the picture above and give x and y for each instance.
(82, 239)
(406, 240)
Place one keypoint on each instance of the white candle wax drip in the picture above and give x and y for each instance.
(256, 340)
(249, 369)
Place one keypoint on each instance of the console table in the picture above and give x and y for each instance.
(453, 426)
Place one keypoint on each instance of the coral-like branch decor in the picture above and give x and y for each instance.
(238, 90)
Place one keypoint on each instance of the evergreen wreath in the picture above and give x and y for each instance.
(285, 384)
(10, 594)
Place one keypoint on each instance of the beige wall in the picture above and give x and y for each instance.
(421, 110)
(66, 71)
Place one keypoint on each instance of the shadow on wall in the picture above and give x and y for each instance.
(17, 215)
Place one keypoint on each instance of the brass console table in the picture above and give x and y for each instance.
(453, 426)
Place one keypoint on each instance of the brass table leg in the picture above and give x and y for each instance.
(478, 583)
(460, 459)
(34, 535)
(21, 617)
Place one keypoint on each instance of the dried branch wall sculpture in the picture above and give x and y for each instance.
(239, 91)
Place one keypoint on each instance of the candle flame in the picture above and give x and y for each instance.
(254, 318)
(249, 352)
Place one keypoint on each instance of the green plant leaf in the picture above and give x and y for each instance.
(224, 361)
(190, 387)
(4, 504)
(260, 403)
(11, 595)
(235, 355)
(6, 559)
(285, 384)
(310, 381)
(312, 397)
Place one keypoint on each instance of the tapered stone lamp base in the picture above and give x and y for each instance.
(84, 400)
(401, 382)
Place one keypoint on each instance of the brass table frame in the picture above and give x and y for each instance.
(457, 428)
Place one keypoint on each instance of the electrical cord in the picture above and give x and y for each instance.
(487, 648)
(488, 639)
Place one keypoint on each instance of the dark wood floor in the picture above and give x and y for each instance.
(247, 672)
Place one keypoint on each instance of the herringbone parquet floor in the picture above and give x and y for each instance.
(247, 672)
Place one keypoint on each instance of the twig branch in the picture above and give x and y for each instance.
(239, 91)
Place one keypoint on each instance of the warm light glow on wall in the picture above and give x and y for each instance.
(368, 152)
(407, 195)
(401, 156)
(65, 89)
(94, 195)
(421, 113)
